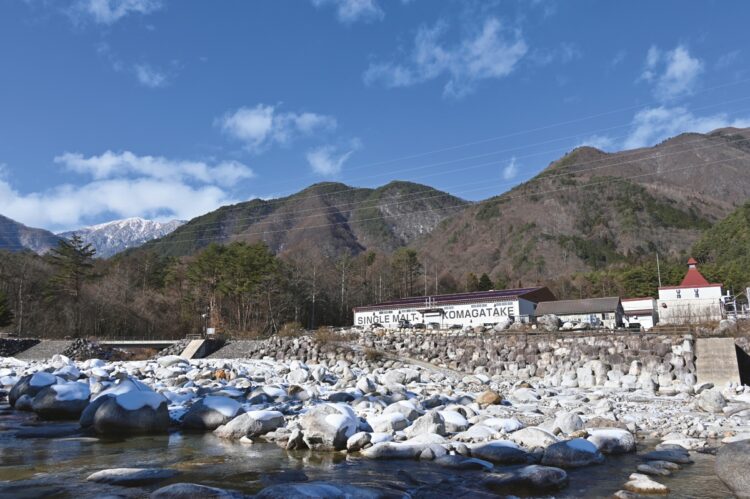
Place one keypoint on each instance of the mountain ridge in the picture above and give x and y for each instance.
(110, 238)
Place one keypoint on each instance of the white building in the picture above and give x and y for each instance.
(641, 311)
(595, 312)
(461, 309)
(695, 300)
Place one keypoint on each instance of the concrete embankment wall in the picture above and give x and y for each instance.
(663, 362)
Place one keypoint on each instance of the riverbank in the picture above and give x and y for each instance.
(387, 426)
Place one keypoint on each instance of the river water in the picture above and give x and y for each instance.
(52, 460)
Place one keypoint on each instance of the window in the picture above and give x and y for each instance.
(679, 294)
(697, 292)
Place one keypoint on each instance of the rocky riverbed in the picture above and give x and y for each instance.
(389, 428)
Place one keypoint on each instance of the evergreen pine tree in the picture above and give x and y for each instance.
(485, 283)
(73, 260)
(6, 314)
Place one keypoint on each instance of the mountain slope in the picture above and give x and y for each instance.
(15, 236)
(724, 250)
(329, 219)
(591, 209)
(113, 237)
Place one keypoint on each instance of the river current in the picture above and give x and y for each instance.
(53, 459)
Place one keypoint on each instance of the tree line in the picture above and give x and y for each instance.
(240, 289)
(245, 290)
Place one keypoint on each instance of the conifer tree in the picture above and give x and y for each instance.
(6, 314)
(73, 262)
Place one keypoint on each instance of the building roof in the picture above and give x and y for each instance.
(535, 295)
(585, 306)
(693, 278)
(638, 299)
(642, 311)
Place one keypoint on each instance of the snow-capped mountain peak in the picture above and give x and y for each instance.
(110, 238)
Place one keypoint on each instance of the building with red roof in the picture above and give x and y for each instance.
(695, 300)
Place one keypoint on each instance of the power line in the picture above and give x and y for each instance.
(538, 193)
(356, 206)
(492, 153)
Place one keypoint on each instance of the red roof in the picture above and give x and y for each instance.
(694, 278)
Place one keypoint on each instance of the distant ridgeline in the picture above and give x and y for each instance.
(591, 224)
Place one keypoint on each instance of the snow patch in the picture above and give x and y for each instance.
(224, 405)
(42, 379)
(71, 391)
(134, 400)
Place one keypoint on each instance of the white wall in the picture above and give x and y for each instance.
(681, 306)
(471, 314)
(690, 293)
(690, 311)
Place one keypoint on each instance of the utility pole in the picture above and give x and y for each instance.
(425, 279)
(380, 288)
(658, 269)
(436, 280)
(312, 318)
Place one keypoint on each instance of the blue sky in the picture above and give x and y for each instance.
(169, 109)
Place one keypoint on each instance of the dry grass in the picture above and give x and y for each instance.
(291, 329)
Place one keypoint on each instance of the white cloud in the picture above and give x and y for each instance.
(125, 185)
(351, 11)
(564, 53)
(491, 52)
(618, 58)
(261, 126)
(674, 73)
(149, 76)
(601, 142)
(109, 12)
(67, 206)
(653, 125)
(113, 165)
(728, 60)
(329, 160)
(510, 170)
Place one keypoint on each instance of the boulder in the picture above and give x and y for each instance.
(61, 401)
(314, 490)
(457, 462)
(131, 477)
(489, 397)
(357, 441)
(404, 407)
(568, 422)
(673, 456)
(533, 437)
(500, 452)
(366, 385)
(732, 465)
(642, 484)
(711, 401)
(193, 490)
(507, 425)
(328, 426)
(549, 322)
(395, 450)
(454, 421)
(210, 413)
(432, 422)
(534, 477)
(572, 454)
(251, 424)
(612, 440)
(388, 422)
(132, 412)
(30, 385)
